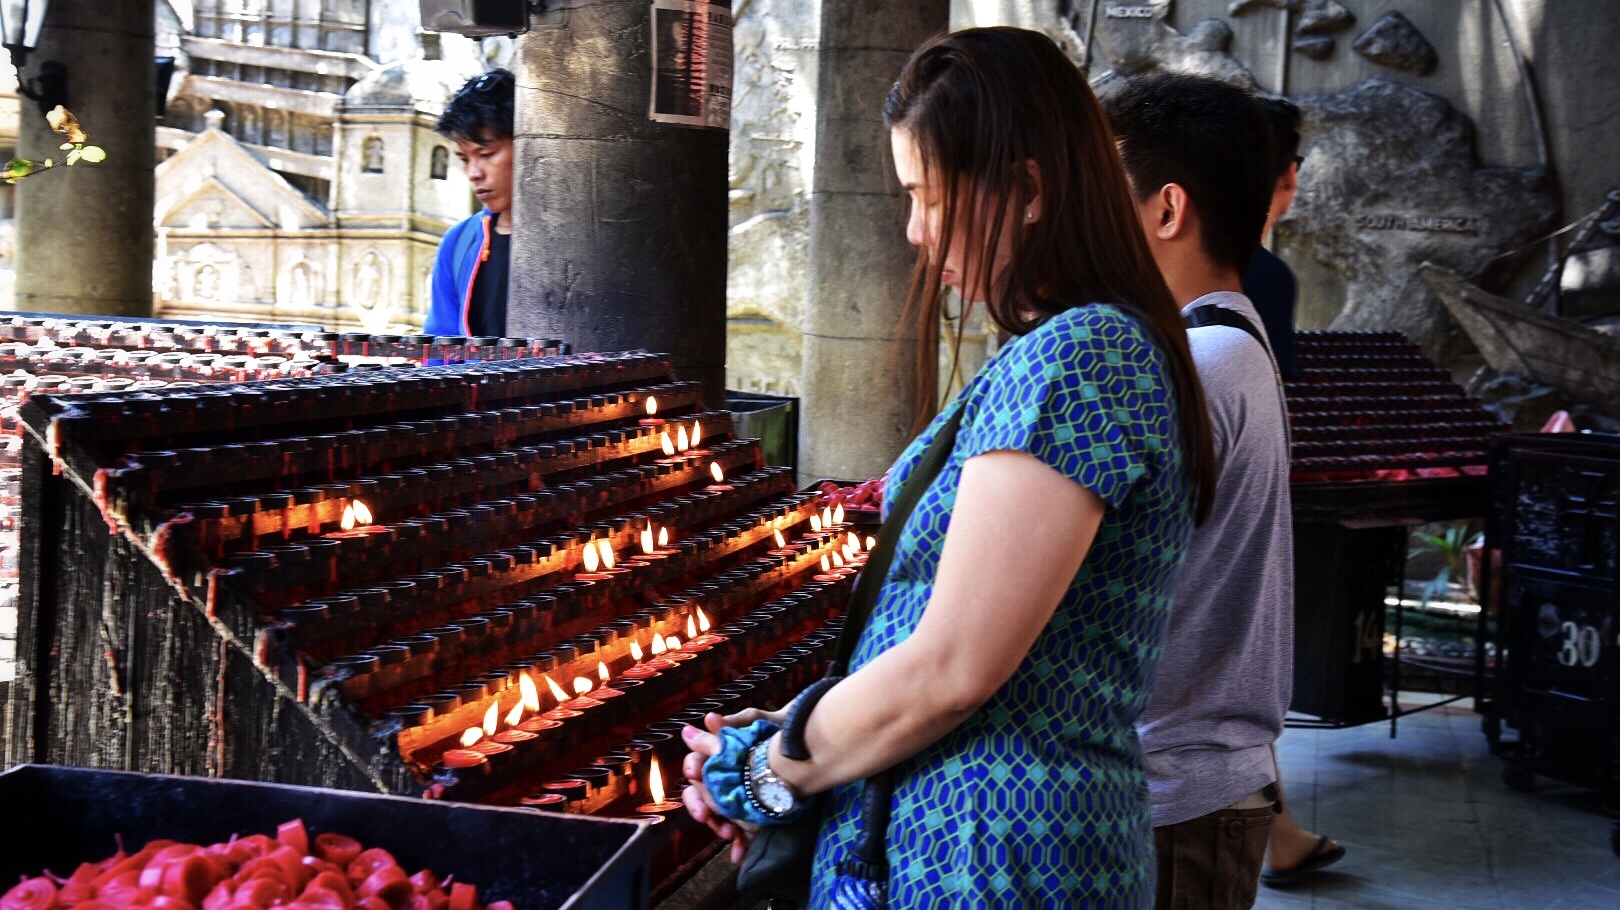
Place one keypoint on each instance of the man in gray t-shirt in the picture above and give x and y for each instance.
(1196, 151)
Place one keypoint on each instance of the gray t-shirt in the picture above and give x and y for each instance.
(1226, 674)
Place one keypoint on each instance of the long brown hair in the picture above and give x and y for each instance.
(980, 105)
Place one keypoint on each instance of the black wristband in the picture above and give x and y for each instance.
(798, 714)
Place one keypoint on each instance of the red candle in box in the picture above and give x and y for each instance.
(699, 634)
(655, 788)
(562, 712)
(676, 651)
(538, 725)
(605, 692)
(462, 758)
(651, 420)
(697, 435)
(719, 486)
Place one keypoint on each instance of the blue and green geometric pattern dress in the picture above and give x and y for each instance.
(1038, 799)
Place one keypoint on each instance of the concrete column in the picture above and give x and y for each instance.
(856, 408)
(84, 234)
(619, 223)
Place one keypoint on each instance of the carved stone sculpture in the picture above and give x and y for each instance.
(1394, 41)
(1135, 38)
(1391, 179)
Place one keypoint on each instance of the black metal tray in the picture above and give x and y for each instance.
(56, 817)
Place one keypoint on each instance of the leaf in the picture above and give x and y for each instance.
(49, 162)
(66, 146)
(73, 157)
(94, 154)
(19, 167)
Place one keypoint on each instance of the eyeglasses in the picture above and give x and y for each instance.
(1299, 160)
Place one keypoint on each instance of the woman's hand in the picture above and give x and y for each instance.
(696, 798)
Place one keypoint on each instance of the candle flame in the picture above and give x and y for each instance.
(347, 522)
(652, 405)
(663, 537)
(780, 540)
(514, 715)
(531, 693)
(838, 514)
(362, 513)
(655, 781)
(492, 717)
(606, 546)
(855, 541)
(673, 643)
(715, 472)
(697, 432)
(647, 540)
(691, 628)
(815, 522)
(658, 646)
(471, 735)
(581, 685)
(871, 542)
(682, 442)
(602, 672)
(703, 620)
(664, 440)
(556, 690)
(838, 559)
(591, 559)
(826, 517)
(635, 651)
(826, 564)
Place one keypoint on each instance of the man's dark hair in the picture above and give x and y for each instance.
(1283, 115)
(481, 110)
(1212, 139)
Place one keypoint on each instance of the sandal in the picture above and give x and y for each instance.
(1321, 857)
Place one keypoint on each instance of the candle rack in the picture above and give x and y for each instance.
(506, 581)
(66, 354)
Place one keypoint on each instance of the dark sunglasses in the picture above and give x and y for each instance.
(486, 83)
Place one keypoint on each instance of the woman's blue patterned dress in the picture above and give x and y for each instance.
(1038, 800)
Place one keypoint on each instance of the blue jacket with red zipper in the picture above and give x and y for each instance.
(463, 249)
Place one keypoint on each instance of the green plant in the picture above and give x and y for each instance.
(1451, 545)
(76, 146)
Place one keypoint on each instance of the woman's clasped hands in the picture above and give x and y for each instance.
(702, 804)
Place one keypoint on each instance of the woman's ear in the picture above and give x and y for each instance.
(1030, 171)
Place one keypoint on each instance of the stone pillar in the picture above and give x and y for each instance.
(84, 234)
(619, 223)
(857, 401)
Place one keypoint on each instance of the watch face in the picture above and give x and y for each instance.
(775, 797)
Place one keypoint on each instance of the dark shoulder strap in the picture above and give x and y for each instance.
(1214, 315)
(868, 585)
(876, 569)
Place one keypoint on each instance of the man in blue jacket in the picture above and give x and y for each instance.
(471, 269)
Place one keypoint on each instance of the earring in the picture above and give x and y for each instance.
(1029, 214)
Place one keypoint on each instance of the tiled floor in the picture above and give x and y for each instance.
(1428, 824)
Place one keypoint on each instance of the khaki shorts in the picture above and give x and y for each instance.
(1213, 862)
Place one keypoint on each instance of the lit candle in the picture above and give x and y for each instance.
(604, 691)
(529, 702)
(640, 670)
(719, 485)
(580, 702)
(651, 420)
(562, 711)
(655, 789)
(675, 652)
(701, 635)
(682, 442)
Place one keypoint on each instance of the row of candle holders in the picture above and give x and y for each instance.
(155, 335)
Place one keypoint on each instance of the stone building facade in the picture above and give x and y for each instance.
(300, 177)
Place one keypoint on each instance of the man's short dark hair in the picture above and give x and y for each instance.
(1212, 139)
(481, 110)
(1283, 115)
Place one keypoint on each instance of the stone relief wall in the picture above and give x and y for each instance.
(1425, 140)
(772, 150)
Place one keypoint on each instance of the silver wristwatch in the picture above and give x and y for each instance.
(769, 793)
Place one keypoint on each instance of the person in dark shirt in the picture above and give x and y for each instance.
(1269, 283)
(473, 263)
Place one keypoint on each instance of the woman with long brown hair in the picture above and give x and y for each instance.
(1015, 634)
